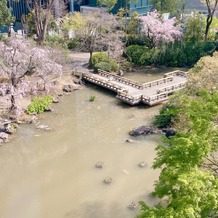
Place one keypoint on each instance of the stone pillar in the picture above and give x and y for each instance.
(57, 8)
(11, 32)
(71, 6)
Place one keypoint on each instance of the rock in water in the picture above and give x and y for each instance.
(120, 73)
(170, 133)
(68, 88)
(142, 164)
(143, 130)
(3, 137)
(132, 206)
(99, 164)
(108, 180)
(129, 140)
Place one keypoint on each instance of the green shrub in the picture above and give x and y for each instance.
(174, 54)
(102, 61)
(91, 98)
(194, 51)
(99, 57)
(147, 57)
(39, 104)
(164, 119)
(114, 66)
(134, 40)
(103, 66)
(56, 41)
(72, 43)
(134, 53)
(2, 36)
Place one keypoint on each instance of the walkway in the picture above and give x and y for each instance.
(133, 92)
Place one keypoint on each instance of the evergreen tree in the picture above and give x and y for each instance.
(5, 13)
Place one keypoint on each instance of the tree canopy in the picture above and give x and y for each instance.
(95, 32)
(187, 189)
(5, 13)
(109, 4)
(159, 29)
(167, 6)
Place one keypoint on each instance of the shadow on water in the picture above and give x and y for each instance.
(97, 88)
(111, 93)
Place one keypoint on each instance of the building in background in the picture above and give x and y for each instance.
(61, 7)
(18, 8)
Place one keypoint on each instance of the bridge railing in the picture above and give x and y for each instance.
(154, 99)
(106, 84)
(171, 88)
(157, 82)
(176, 73)
(120, 79)
(129, 98)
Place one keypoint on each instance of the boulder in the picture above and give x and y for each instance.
(8, 127)
(78, 81)
(142, 164)
(68, 88)
(132, 206)
(48, 109)
(129, 140)
(120, 73)
(55, 100)
(143, 130)
(108, 180)
(99, 164)
(170, 132)
(3, 137)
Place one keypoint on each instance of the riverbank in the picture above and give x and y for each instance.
(60, 86)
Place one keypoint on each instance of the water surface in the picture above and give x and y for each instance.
(53, 175)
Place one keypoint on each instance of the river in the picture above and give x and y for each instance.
(53, 175)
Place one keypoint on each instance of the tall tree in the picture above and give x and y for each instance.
(40, 11)
(211, 8)
(5, 13)
(167, 6)
(159, 29)
(109, 4)
(95, 31)
(193, 28)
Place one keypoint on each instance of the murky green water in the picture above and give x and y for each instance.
(53, 175)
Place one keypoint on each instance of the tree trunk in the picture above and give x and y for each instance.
(13, 102)
(211, 8)
(208, 23)
(40, 16)
(90, 59)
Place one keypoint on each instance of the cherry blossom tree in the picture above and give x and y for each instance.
(159, 29)
(20, 62)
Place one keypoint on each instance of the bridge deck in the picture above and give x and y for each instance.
(133, 92)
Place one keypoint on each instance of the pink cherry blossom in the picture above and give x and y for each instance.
(20, 63)
(160, 29)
